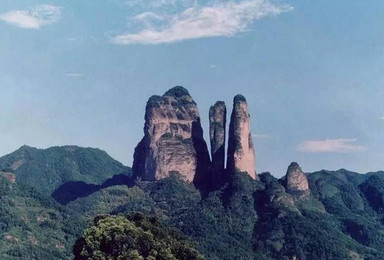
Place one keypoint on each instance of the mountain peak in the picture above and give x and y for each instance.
(173, 138)
(177, 92)
(241, 151)
(293, 166)
(26, 147)
(239, 98)
(296, 180)
(71, 148)
(47, 169)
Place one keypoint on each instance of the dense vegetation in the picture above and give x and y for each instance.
(342, 218)
(46, 170)
(133, 237)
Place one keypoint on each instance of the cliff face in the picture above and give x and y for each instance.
(217, 124)
(173, 139)
(241, 152)
(296, 180)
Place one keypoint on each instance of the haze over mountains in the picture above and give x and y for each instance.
(48, 196)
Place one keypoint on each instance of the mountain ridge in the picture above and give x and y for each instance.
(56, 165)
(231, 204)
(49, 196)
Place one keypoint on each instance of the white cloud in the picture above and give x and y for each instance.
(331, 146)
(220, 19)
(35, 18)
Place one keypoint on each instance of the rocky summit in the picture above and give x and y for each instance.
(241, 152)
(173, 139)
(296, 180)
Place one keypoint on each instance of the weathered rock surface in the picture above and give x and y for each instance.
(173, 139)
(9, 176)
(217, 124)
(296, 180)
(241, 152)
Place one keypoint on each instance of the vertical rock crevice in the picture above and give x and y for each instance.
(217, 134)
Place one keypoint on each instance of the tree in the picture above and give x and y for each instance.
(132, 237)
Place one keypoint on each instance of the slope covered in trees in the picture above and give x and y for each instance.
(132, 237)
(341, 218)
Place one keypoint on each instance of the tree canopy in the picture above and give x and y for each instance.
(135, 237)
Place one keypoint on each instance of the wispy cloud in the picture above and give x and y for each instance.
(261, 136)
(74, 75)
(331, 146)
(153, 3)
(215, 20)
(148, 16)
(34, 18)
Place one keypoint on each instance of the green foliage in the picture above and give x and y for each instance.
(5, 186)
(341, 218)
(31, 226)
(132, 237)
(373, 189)
(45, 170)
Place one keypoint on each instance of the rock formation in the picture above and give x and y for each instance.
(241, 152)
(296, 180)
(173, 139)
(217, 124)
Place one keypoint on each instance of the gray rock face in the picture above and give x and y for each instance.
(296, 180)
(173, 139)
(241, 152)
(217, 124)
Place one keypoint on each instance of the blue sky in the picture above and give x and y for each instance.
(80, 72)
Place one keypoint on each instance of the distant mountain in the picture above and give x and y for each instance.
(33, 183)
(47, 169)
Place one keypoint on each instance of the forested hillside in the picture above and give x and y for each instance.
(340, 218)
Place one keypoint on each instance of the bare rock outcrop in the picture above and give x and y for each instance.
(217, 124)
(296, 180)
(241, 152)
(173, 139)
(9, 176)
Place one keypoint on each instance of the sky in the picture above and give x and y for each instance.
(80, 72)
